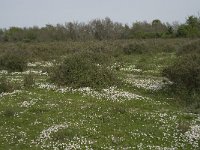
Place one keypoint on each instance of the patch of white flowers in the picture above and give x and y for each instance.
(37, 72)
(130, 68)
(111, 93)
(46, 86)
(11, 93)
(3, 72)
(41, 64)
(126, 68)
(44, 140)
(79, 143)
(147, 83)
(117, 94)
(45, 135)
(193, 135)
(28, 104)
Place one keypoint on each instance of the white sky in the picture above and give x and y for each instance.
(26, 13)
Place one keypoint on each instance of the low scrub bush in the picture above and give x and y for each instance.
(137, 48)
(185, 72)
(193, 47)
(13, 61)
(5, 86)
(96, 57)
(83, 70)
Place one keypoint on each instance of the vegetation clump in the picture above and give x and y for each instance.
(137, 48)
(83, 70)
(5, 86)
(191, 48)
(185, 73)
(13, 61)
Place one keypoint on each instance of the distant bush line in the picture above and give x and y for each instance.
(102, 29)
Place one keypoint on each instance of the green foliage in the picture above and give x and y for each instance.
(98, 29)
(185, 75)
(193, 21)
(102, 29)
(185, 72)
(29, 81)
(5, 86)
(193, 47)
(156, 29)
(83, 70)
(1, 35)
(13, 60)
(136, 48)
(190, 29)
(182, 31)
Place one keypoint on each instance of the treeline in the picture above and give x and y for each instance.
(102, 29)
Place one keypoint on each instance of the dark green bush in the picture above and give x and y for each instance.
(185, 72)
(5, 86)
(13, 61)
(83, 70)
(134, 49)
(29, 81)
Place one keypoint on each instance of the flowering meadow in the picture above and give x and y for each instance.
(139, 114)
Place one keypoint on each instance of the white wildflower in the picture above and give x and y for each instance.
(193, 135)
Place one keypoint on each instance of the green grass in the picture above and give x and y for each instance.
(107, 123)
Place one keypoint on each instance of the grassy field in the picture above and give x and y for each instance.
(140, 114)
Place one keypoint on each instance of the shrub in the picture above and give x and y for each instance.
(13, 61)
(29, 81)
(83, 70)
(193, 47)
(97, 57)
(185, 72)
(134, 49)
(5, 86)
